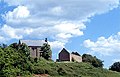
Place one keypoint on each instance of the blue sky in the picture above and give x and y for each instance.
(87, 26)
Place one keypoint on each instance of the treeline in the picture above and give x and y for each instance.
(93, 60)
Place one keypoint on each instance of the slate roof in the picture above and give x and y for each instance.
(33, 42)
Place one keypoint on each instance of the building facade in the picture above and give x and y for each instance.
(64, 55)
(35, 47)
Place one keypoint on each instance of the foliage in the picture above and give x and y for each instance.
(61, 71)
(78, 70)
(46, 51)
(92, 60)
(115, 67)
(21, 48)
(14, 60)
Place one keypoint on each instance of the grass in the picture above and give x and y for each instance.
(64, 69)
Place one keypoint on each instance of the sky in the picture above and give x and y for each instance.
(84, 26)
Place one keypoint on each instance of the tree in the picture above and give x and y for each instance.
(21, 48)
(47, 52)
(115, 67)
(92, 60)
(15, 59)
(8, 61)
(87, 58)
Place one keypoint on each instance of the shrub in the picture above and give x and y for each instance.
(38, 70)
(25, 73)
(92, 60)
(61, 71)
(115, 67)
(10, 71)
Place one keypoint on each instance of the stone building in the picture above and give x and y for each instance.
(35, 47)
(64, 55)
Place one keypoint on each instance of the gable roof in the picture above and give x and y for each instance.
(64, 50)
(33, 42)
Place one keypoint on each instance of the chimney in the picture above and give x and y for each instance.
(19, 42)
(45, 39)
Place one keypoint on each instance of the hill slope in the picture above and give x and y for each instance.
(73, 70)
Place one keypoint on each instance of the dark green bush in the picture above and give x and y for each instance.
(115, 67)
(38, 70)
(61, 71)
(92, 60)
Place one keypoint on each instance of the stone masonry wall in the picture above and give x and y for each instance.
(76, 58)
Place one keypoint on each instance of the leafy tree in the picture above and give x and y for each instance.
(46, 51)
(8, 59)
(87, 58)
(22, 48)
(92, 60)
(115, 67)
(15, 60)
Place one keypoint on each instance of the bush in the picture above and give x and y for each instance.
(61, 71)
(10, 71)
(115, 67)
(38, 70)
(92, 60)
(24, 73)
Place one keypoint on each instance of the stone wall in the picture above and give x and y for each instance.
(35, 51)
(76, 58)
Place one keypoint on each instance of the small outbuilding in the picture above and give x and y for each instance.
(64, 55)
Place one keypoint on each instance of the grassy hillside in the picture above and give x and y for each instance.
(72, 70)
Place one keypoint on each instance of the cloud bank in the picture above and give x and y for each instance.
(104, 46)
(57, 20)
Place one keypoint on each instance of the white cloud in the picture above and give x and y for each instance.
(71, 28)
(63, 36)
(59, 20)
(8, 33)
(67, 30)
(56, 44)
(11, 32)
(18, 13)
(104, 46)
